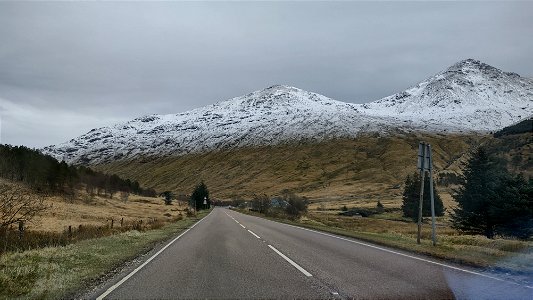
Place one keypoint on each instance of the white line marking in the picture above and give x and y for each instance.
(291, 262)
(253, 233)
(403, 254)
(409, 256)
(242, 226)
(116, 285)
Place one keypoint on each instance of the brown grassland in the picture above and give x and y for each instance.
(333, 170)
(99, 211)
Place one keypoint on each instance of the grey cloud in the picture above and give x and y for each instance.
(102, 62)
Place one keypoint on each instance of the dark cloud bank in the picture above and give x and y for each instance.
(68, 67)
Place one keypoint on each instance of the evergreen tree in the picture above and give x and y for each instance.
(411, 198)
(491, 201)
(479, 185)
(512, 208)
(198, 196)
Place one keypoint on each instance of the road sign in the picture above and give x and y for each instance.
(422, 151)
(425, 164)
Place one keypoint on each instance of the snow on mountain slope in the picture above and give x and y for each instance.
(470, 95)
(273, 115)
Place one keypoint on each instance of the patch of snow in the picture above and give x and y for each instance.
(468, 96)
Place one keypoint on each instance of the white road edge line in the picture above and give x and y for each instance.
(242, 226)
(253, 234)
(406, 255)
(290, 261)
(116, 285)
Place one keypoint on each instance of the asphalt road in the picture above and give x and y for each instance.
(232, 255)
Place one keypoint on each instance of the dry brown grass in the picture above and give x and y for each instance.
(99, 211)
(334, 170)
(60, 272)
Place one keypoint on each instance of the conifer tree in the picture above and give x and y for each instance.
(478, 189)
(491, 201)
(198, 196)
(411, 198)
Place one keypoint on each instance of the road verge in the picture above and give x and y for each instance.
(57, 272)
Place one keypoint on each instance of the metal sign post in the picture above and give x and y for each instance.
(430, 167)
(421, 166)
(425, 163)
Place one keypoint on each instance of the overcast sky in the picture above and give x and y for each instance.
(66, 68)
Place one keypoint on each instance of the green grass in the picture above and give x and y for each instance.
(56, 272)
(508, 255)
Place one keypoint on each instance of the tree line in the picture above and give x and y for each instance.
(45, 174)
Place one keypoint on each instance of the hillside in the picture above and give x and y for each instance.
(341, 168)
(524, 126)
(270, 116)
(470, 96)
(514, 146)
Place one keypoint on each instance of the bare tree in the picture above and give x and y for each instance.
(261, 203)
(18, 205)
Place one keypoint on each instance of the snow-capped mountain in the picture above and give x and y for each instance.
(468, 96)
(273, 115)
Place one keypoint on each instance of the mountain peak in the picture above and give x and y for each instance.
(468, 94)
(468, 61)
(272, 115)
(470, 65)
(280, 89)
(279, 95)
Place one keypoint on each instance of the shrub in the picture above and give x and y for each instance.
(168, 196)
(296, 205)
(261, 203)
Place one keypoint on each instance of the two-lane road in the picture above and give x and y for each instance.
(232, 255)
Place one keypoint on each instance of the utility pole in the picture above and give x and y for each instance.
(421, 166)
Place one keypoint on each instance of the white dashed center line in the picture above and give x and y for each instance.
(290, 261)
(253, 234)
(277, 251)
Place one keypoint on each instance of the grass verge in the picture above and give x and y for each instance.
(55, 272)
(500, 255)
